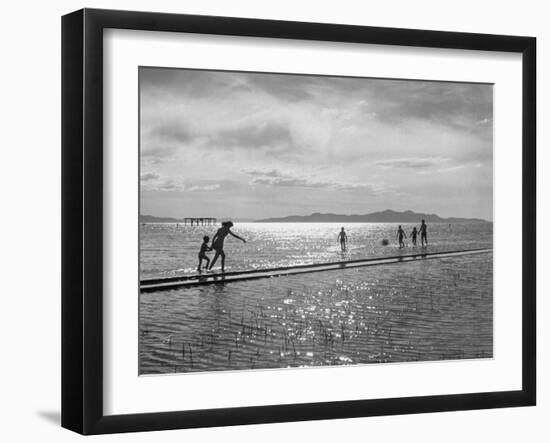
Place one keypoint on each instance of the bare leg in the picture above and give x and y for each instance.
(199, 266)
(214, 260)
(223, 260)
(207, 262)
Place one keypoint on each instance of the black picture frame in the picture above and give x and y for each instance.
(82, 220)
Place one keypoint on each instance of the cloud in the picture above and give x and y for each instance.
(203, 188)
(171, 83)
(160, 142)
(263, 173)
(174, 132)
(170, 139)
(457, 105)
(158, 152)
(152, 182)
(282, 87)
(289, 139)
(170, 184)
(149, 176)
(255, 135)
(276, 178)
(413, 163)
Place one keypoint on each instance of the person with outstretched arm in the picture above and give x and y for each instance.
(217, 243)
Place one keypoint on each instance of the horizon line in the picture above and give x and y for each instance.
(254, 219)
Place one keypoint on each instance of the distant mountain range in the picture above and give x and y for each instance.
(387, 216)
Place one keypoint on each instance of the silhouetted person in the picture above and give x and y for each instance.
(202, 253)
(424, 234)
(401, 234)
(342, 238)
(414, 233)
(217, 243)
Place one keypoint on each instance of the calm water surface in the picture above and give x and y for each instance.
(425, 310)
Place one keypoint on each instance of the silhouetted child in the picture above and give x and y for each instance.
(424, 234)
(400, 235)
(414, 233)
(202, 253)
(342, 238)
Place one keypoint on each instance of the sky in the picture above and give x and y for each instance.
(247, 146)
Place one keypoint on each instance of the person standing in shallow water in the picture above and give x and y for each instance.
(414, 233)
(424, 234)
(202, 253)
(342, 238)
(401, 234)
(217, 243)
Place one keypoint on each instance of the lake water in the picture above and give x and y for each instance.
(171, 249)
(424, 310)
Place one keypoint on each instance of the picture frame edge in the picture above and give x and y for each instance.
(82, 149)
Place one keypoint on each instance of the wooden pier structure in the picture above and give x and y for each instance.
(166, 283)
(199, 220)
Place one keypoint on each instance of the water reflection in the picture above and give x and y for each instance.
(422, 310)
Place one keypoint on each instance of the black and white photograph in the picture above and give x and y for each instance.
(244, 222)
(294, 221)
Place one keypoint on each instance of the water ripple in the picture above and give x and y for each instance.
(425, 310)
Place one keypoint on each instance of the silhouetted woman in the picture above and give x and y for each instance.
(217, 243)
